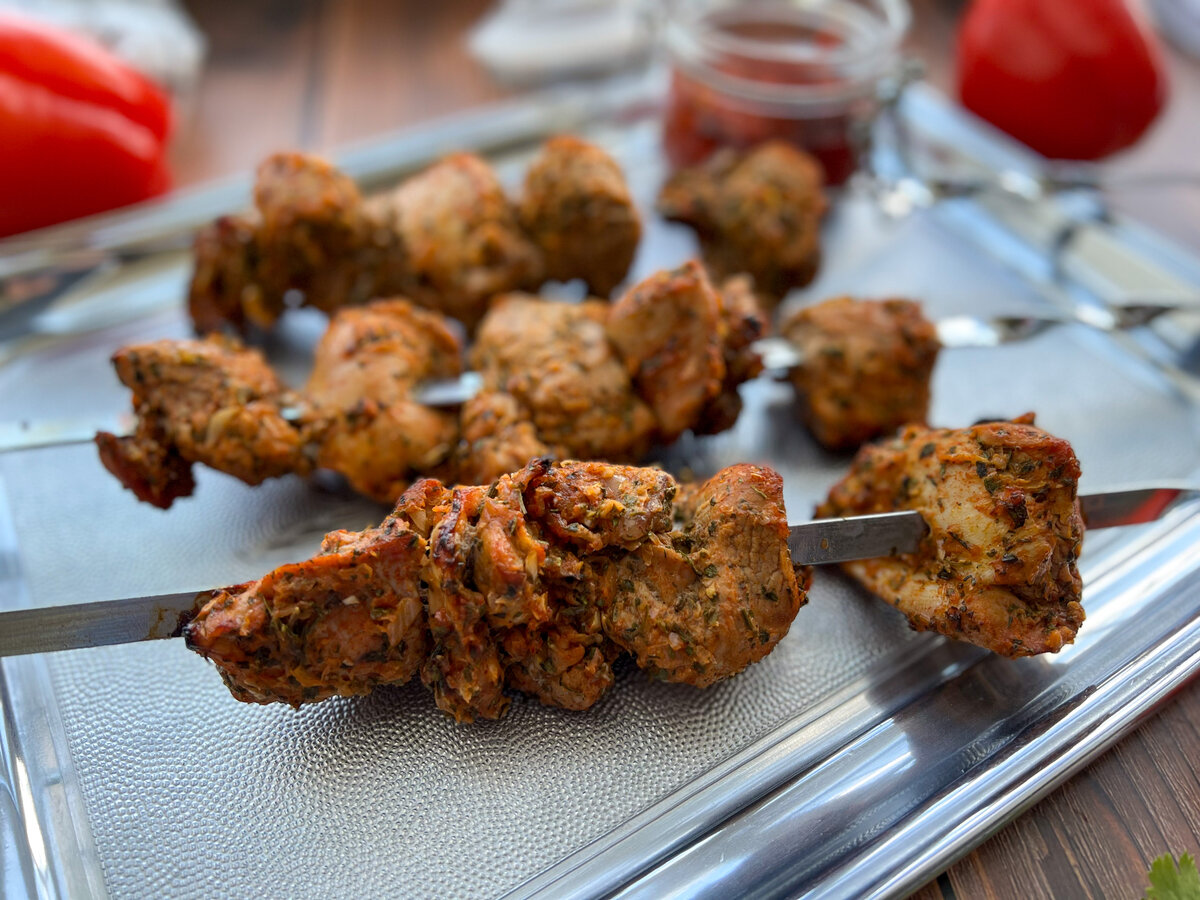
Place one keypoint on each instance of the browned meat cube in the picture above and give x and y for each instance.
(997, 568)
(866, 370)
(210, 401)
(366, 367)
(756, 211)
(576, 207)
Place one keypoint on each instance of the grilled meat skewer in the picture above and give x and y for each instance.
(998, 566)
(217, 403)
(536, 582)
(448, 238)
(570, 380)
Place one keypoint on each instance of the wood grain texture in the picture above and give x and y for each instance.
(1097, 836)
(318, 73)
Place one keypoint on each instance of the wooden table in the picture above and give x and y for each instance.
(317, 75)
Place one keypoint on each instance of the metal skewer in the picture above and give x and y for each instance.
(133, 619)
(777, 354)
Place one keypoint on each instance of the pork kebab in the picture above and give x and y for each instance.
(448, 239)
(592, 380)
(998, 565)
(538, 581)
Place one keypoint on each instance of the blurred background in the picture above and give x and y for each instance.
(249, 78)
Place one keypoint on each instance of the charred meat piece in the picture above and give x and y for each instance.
(148, 464)
(756, 211)
(593, 506)
(210, 401)
(997, 568)
(576, 207)
(343, 622)
(218, 403)
(553, 382)
(367, 365)
(463, 240)
(311, 233)
(526, 584)
(867, 367)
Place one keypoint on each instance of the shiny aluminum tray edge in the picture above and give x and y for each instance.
(710, 814)
(945, 773)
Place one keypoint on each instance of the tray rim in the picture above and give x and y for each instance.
(67, 822)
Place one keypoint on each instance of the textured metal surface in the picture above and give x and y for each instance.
(147, 779)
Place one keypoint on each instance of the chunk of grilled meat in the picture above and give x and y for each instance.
(757, 211)
(340, 623)
(867, 367)
(448, 238)
(576, 207)
(311, 232)
(534, 583)
(668, 330)
(742, 323)
(997, 568)
(552, 384)
(366, 367)
(463, 240)
(597, 381)
(210, 401)
(703, 602)
(218, 403)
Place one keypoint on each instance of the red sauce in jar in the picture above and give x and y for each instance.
(744, 75)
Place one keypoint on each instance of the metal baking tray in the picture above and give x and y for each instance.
(857, 760)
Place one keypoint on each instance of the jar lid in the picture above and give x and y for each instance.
(788, 53)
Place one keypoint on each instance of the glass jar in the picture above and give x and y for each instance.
(808, 72)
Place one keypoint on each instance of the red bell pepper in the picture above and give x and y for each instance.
(80, 131)
(1073, 79)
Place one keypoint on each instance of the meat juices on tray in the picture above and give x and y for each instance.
(527, 584)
